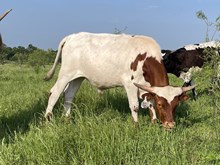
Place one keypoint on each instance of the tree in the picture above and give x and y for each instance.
(2, 53)
(40, 58)
(20, 58)
(201, 15)
(210, 76)
(31, 48)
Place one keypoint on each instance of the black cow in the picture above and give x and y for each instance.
(182, 59)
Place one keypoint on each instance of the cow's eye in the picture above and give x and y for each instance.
(159, 105)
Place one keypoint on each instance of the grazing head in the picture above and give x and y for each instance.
(166, 100)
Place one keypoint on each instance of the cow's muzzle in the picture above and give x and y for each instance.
(169, 125)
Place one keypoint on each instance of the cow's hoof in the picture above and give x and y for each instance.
(67, 119)
(48, 116)
(136, 124)
(154, 121)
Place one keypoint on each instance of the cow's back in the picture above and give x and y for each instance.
(105, 58)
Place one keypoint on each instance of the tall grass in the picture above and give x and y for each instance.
(100, 129)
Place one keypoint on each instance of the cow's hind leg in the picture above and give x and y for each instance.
(69, 94)
(55, 93)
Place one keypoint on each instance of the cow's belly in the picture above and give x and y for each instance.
(105, 77)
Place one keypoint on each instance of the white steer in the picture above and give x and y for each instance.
(109, 60)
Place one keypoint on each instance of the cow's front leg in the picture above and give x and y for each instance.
(134, 111)
(133, 102)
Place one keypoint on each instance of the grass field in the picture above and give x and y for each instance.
(100, 129)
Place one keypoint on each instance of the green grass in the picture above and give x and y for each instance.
(100, 129)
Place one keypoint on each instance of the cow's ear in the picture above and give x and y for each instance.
(149, 96)
(183, 97)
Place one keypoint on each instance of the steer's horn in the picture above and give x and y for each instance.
(185, 89)
(1, 17)
(145, 88)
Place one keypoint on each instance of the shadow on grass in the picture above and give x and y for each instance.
(182, 110)
(184, 115)
(20, 121)
(119, 102)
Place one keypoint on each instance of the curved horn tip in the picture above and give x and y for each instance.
(138, 85)
(8, 11)
(145, 88)
(185, 89)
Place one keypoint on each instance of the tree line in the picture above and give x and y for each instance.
(30, 55)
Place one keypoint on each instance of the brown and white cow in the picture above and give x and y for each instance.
(109, 60)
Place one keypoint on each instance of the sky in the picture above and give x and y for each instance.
(43, 23)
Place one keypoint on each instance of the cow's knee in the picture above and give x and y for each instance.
(134, 115)
(134, 111)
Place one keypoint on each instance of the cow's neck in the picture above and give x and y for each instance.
(155, 72)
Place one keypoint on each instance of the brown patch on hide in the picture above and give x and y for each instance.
(149, 96)
(134, 64)
(155, 72)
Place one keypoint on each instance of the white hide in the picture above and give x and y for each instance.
(168, 92)
(202, 45)
(150, 105)
(104, 60)
(187, 76)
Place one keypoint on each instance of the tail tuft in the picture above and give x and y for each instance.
(49, 75)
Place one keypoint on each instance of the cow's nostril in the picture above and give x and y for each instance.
(169, 125)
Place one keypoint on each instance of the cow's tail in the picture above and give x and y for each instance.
(59, 52)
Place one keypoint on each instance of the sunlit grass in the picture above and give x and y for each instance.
(100, 129)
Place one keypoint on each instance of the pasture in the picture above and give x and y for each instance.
(100, 129)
